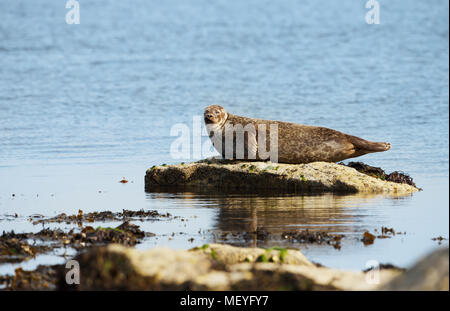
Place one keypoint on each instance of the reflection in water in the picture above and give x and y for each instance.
(240, 217)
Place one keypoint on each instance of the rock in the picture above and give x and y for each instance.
(368, 238)
(211, 267)
(430, 273)
(314, 177)
(43, 278)
(229, 255)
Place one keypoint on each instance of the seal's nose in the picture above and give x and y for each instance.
(209, 115)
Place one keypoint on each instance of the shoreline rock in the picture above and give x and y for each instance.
(213, 267)
(225, 267)
(429, 273)
(316, 177)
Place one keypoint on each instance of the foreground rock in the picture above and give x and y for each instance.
(314, 177)
(213, 267)
(430, 273)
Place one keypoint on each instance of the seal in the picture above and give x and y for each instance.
(242, 138)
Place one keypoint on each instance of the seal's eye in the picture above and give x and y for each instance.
(216, 112)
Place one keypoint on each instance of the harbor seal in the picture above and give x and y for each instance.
(236, 137)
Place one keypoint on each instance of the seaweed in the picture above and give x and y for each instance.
(377, 172)
(313, 237)
(99, 216)
(401, 178)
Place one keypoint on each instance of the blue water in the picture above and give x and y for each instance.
(82, 106)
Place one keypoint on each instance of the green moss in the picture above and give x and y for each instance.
(276, 248)
(109, 228)
(164, 164)
(107, 266)
(203, 247)
(213, 254)
(303, 178)
(262, 258)
(283, 252)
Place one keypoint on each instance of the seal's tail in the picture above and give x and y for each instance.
(366, 146)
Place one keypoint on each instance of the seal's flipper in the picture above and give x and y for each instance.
(364, 146)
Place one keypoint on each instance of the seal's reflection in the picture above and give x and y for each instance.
(260, 219)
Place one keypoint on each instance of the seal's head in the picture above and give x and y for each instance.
(215, 114)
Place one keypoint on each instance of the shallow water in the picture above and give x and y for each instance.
(82, 106)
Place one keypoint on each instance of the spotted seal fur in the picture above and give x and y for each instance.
(296, 143)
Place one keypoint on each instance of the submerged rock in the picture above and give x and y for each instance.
(99, 216)
(314, 177)
(15, 248)
(43, 278)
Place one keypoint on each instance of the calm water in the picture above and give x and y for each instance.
(82, 106)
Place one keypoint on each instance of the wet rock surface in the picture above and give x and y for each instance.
(81, 217)
(126, 234)
(43, 278)
(317, 177)
(297, 237)
(18, 247)
(319, 237)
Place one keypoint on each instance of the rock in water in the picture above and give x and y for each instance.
(317, 177)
